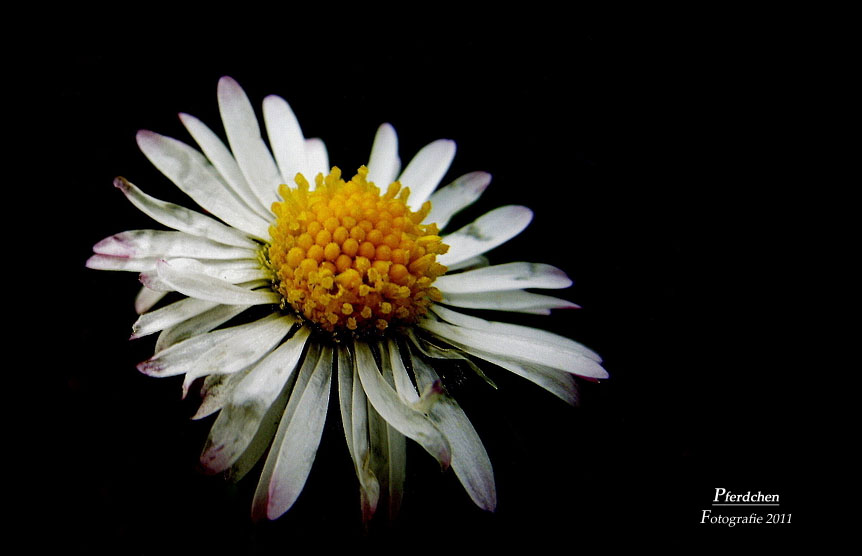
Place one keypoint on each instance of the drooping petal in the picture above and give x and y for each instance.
(384, 164)
(403, 385)
(486, 232)
(387, 458)
(392, 450)
(396, 444)
(223, 161)
(202, 286)
(194, 175)
(285, 137)
(158, 243)
(240, 419)
(354, 418)
(182, 219)
(516, 301)
(509, 276)
(509, 329)
(524, 349)
(470, 460)
(424, 173)
(246, 143)
(458, 195)
(295, 445)
(407, 420)
(345, 396)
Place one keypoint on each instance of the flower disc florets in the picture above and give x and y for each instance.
(353, 260)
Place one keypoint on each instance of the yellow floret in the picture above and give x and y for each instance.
(352, 259)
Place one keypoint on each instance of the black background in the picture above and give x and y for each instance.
(648, 160)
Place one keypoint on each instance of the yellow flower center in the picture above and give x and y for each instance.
(349, 258)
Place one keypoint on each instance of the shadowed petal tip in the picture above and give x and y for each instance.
(122, 183)
(149, 367)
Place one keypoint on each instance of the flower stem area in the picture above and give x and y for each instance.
(608, 143)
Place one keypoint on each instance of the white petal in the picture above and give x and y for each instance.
(157, 243)
(221, 352)
(197, 325)
(299, 382)
(146, 299)
(486, 232)
(238, 352)
(478, 261)
(424, 173)
(201, 286)
(296, 442)
(194, 175)
(169, 315)
(383, 164)
(182, 219)
(263, 438)
(354, 418)
(517, 301)
(542, 337)
(509, 276)
(387, 455)
(458, 195)
(264, 381)
(407, 420)
(278, 411)
(550, 355)
(434, 350)
(396, 445)
(223, 161)
(391, 451)
(105, 262)
(470, 460)
(231, 271)
(403, 385)
(181, 357)
(395, 469)
(559, 383)
(216, 392)
(345, 396)
(250, 401)
(317, 159)
(285, 137)
(153, 280)
(246, 143)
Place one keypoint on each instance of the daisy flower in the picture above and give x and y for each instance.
(298, 279)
